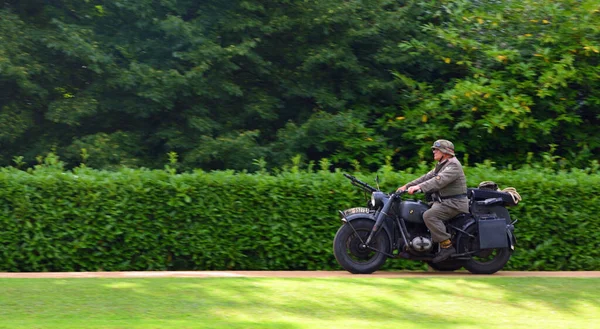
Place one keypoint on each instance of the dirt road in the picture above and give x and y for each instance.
(287, 274)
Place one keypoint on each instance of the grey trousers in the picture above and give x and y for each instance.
(436, 216)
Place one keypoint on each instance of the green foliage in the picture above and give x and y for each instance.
(108, 151)
(513, 74)
(224, 83)
(85, 219)
(352, 142)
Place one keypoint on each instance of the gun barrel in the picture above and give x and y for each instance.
(357, 182)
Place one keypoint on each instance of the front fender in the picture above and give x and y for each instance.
(358, 213)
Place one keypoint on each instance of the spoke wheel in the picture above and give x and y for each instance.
(352, 254)
(486, 261)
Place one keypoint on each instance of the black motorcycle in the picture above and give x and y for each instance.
(390, 227)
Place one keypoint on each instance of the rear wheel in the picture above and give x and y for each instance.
(486, 261)
(350, 252)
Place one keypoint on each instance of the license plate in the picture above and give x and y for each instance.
(357, 210)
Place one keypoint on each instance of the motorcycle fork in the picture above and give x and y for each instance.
(369, 238)
(381, 215)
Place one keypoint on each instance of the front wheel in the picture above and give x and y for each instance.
(350, 252)
(486, 261)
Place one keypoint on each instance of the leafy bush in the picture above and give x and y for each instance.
(85, 219)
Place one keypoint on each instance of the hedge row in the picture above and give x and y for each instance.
(88, 220)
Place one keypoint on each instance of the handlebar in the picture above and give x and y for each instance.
(406, 191)
(398, 194)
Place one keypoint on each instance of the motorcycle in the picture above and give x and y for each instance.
(390, 227)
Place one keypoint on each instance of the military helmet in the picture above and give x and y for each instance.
(488, 185)
(445, 146)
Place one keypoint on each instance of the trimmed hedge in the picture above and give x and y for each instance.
(89, 220)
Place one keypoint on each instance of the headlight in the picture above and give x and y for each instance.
(377, 199)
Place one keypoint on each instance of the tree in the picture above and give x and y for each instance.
(519, 77)
(362, 83)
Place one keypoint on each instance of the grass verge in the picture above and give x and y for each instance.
(301, 303)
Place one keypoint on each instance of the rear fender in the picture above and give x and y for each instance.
(469, 222)
(512, 240)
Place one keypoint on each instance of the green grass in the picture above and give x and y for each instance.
(301, 303)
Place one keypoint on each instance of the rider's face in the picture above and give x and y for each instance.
(437, 154)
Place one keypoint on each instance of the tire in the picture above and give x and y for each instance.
(349, 253)
(487, 261)
(447, 265)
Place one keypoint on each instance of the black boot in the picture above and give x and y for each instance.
(444, 254)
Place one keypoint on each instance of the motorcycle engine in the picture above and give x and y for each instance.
(421, 243)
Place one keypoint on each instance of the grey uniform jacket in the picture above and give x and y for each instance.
(446, 179)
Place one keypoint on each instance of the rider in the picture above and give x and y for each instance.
(447, 185)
